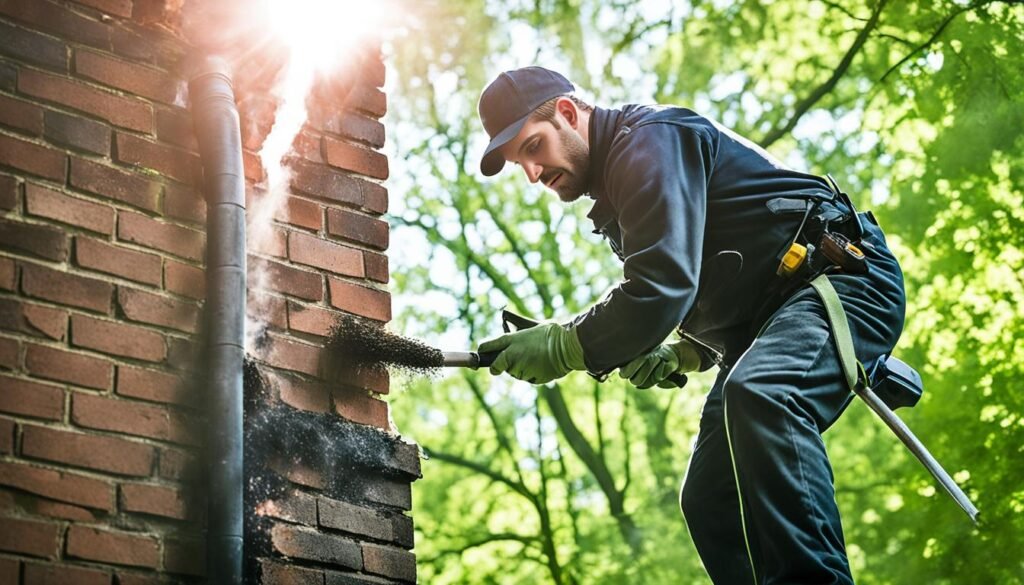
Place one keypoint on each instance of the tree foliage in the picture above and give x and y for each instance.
(915, 107)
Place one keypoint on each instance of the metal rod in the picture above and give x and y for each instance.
(916, 447)
(461, 359)
(220, 147)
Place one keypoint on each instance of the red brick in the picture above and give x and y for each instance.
(375, 198)
(52, 509)
(282, 278)
(120, 111)
(307, 145)
(21, 115)
(109, 182)
(8, 274)
(310, 396)
(27, 398)
(9, 191)
(52, 323)
(372, 67)
(157, 500)
(129, 417)
(6, 435)
(184, 203)
(66, 288)
(57, 19)
(357, 406)
(312, 251)
(306, 544)
(390, 562)
(376, 266)
(32, 158)
(108, 546)
(252, 167)
(33, 319)
(356, 159)
(10, 571)
(359, 228)
(50, 204)
(64, 366)
(111, 454)
(184, 279)
(310, 319)
(324, 182)
(360, 300)
(59, 485)
(270, 309)
(38, 539)
(278, 574)
(174, 126)
(115, 7)
(302, 213)
(77, 132)
(182, 353)
(118, 260)
(293, 506)
(290, 355)
(33, 240)
(354, 126)
(178, 465)
(152, 385)
(273, 242)
(32, 47)
(164, 237)
(144, 81)
(338, 515)
(370, 100)
(174, 163)
(146, 307)
(9, 351)
(187, 557)
(117, 339)
(51, 574)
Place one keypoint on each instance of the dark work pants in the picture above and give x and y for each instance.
(758, 495)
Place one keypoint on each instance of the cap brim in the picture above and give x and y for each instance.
(492, 161)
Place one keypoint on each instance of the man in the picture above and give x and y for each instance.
(702, 219)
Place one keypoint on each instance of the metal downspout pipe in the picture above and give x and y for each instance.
(215, 117)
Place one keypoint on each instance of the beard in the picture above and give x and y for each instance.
(575, 179)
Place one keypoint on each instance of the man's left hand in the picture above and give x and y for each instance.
(537, 355)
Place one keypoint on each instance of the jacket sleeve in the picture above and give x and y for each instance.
(656, 179)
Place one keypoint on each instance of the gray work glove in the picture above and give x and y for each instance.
(655, 367)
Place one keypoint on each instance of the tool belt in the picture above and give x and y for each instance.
(828, 239)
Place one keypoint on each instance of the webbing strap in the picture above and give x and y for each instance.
(852, 369)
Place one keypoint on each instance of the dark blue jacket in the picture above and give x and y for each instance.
(683, 202)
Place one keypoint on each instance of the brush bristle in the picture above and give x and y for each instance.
(356, 344)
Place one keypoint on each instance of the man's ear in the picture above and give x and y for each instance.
(567, 109)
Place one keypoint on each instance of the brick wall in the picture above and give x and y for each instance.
(101, 290)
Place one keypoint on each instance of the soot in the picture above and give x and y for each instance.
(348, 457)
(353, 342)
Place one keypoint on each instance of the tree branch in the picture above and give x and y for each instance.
(935, 35)
(597, 466)
(821, 91)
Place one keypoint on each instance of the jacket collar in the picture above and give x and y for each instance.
(604, 124)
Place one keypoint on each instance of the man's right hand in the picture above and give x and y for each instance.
(655, 367)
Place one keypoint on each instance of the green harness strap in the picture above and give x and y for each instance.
(852, 369)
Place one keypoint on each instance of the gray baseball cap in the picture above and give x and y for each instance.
(507, 103)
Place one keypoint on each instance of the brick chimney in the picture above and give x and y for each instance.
(102, 244)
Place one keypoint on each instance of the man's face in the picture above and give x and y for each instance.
(556, 156)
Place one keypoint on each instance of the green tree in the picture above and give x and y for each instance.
(915, 107)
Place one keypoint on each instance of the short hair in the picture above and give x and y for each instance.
(546, 111)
